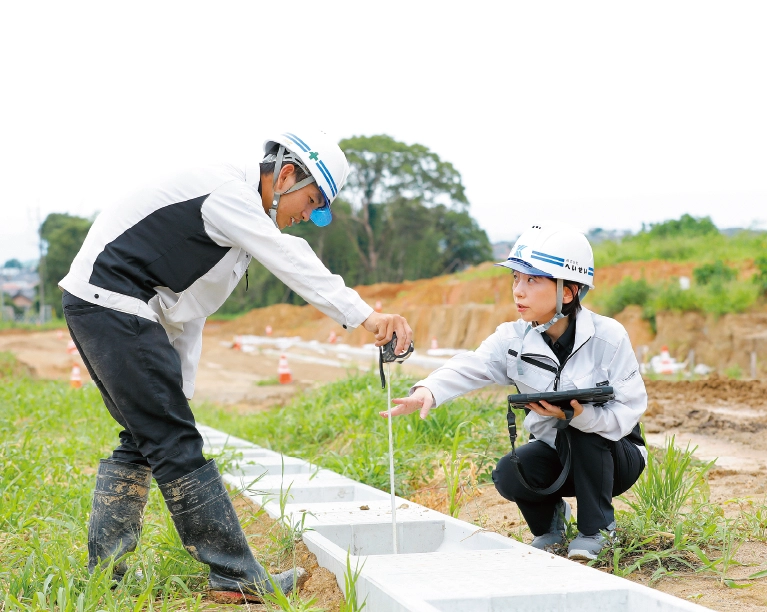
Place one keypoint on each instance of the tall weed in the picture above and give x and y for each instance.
(670, 480)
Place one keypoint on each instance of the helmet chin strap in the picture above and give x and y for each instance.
(277, 194)
(543, 327)
(560, 296)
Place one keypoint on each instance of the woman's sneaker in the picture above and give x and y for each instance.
(556, 534)
(588, 547)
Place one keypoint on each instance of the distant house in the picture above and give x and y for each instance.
(22, 301)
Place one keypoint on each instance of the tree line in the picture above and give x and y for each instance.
(403, 215)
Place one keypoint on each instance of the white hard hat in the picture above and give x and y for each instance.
(559, 253)
(320, 156)
(553, 251)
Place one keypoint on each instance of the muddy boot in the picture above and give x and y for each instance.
(122, 490)
(211, 532)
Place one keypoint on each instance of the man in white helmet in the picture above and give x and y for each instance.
(135, 300)
(556, 345)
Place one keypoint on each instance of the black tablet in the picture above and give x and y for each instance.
(595, 395)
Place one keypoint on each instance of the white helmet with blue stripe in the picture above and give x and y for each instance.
(322, 159)
(559, 253)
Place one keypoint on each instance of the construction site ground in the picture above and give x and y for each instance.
(724, 418)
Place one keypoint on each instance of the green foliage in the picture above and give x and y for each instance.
(384, 169)
(12, 263)
(672, 527)
(338, 427)
(453, 467)
(51, 438)
(63, 235)
(760, 279)
(350, 587)
(686, 225)
(668, 482)
(715, 298)
(686, 239)
(717, 272)
(625, 293)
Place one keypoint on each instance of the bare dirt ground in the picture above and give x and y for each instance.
(725, 419)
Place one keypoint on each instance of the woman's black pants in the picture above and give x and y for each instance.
(138, 373)
(600, 470)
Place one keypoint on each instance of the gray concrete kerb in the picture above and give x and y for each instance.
(443, 565)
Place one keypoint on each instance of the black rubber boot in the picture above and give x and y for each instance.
(211, 532)
(122, 490)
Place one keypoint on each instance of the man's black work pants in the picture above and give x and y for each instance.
(600, 470)
(138, 373)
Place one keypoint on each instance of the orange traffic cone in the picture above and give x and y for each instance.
(71, 347)
(237, 344)
(378, 306)
(268, 330)
(434, 344)
(332, 337)
(665, 361)
(283, 371)
(75, 381)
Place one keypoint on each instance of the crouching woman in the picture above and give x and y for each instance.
(556, 345)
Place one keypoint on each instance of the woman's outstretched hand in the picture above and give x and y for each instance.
(422, 400)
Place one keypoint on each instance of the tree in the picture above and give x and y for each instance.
(384, 170)
(62, 236)
(13, 263)
(686, 225)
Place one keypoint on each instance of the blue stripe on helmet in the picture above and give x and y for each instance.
(591, 272)
(547, 256)
(328, 176)
(300, 143)
(324, 195)
(535, 255)
(520, 265)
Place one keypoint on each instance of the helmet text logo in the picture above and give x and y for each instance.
(518, 252)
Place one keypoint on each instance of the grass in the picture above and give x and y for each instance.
(338, 427)
(672, 527)
(686, 241)
(54, 323)
(717, 296)
(51, 439)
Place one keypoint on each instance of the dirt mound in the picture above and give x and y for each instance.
(721, 342)
(734, 410)
(752, 393)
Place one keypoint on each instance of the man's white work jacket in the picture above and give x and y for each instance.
(173, 252)
(602, 355)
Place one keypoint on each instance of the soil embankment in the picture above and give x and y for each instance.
(461, 310)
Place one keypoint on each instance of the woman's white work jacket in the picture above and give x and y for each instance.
(602, 355)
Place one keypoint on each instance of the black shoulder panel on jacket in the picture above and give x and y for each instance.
(168, 248)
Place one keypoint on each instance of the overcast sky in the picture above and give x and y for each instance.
(597, 114)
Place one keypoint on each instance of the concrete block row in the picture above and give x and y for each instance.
(442, 565)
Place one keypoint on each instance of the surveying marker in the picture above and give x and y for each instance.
(386, 355)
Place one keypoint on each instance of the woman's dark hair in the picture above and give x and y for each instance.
(574, 307)
(268, 167)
